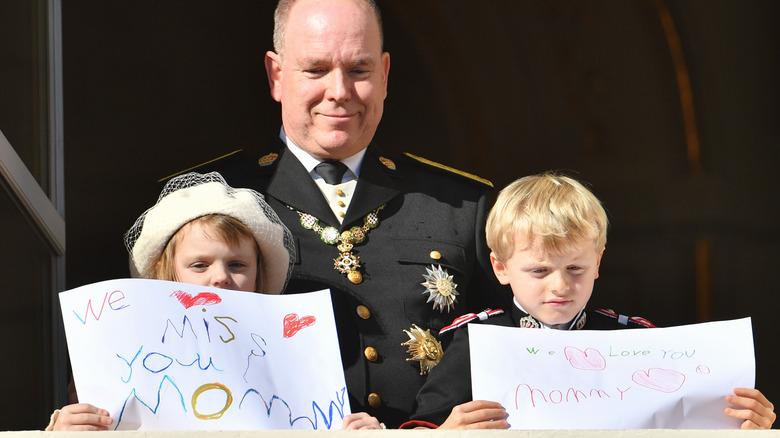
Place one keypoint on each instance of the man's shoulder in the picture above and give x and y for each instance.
(607, 319)
(236, 164)
(212, 165)
(416, 163)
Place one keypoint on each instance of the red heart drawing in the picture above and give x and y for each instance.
(589, 360)
(659, 379)
(293, 324)
(201, 299)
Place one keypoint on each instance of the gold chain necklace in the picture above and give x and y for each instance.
(346, 262)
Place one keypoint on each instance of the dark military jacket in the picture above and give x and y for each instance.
(449, 383)
(431, 216)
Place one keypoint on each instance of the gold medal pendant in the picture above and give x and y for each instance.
(347, 262)
(355, 277)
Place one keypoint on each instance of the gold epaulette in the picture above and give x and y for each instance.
(206, 163)
(470, 176)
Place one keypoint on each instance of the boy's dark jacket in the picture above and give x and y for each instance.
(449, 383)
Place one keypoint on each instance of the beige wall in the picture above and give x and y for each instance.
(655, 433)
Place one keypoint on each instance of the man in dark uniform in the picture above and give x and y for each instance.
(399, 243)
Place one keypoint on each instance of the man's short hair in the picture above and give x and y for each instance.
(555, 208)
(283, 12)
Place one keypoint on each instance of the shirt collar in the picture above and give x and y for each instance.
(309, 161)
(565, 326)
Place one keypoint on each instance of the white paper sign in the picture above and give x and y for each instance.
(165, 355)
(672, 378)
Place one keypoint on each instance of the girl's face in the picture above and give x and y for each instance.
(202, 259)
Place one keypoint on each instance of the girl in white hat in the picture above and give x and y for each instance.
(204, 232)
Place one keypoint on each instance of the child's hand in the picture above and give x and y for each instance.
(360, 421)
(82, 416)
(756, 410)
(477, 414)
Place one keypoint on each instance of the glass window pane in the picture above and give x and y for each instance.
(25, 266)
(24, 83)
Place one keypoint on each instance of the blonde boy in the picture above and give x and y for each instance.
(547, 235)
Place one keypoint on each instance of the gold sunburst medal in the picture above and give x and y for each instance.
(424, 348)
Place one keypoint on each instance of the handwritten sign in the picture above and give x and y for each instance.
(165, 355)
(671, 378)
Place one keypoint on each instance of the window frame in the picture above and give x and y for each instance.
(46, 213)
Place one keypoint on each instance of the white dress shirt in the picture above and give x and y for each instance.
(338, 196)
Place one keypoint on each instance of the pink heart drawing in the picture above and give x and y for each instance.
(201, 299)
(659, 379)
(293, 324)
(589, 360)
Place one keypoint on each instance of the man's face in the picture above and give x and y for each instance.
(551, 289)
(331, 77)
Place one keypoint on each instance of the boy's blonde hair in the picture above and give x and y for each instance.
(226, 228)
(555, 208)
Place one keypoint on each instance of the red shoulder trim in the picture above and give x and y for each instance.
(467, 318)
(642, 321)
(636, 319)
(606, 312)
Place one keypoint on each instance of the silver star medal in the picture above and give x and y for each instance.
(438, 283)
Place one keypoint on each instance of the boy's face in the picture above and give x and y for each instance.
(202, 259)
(551, 289)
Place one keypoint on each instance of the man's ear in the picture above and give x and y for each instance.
(598, 262)
(385, 70)
(273, 68)
(499, 268)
